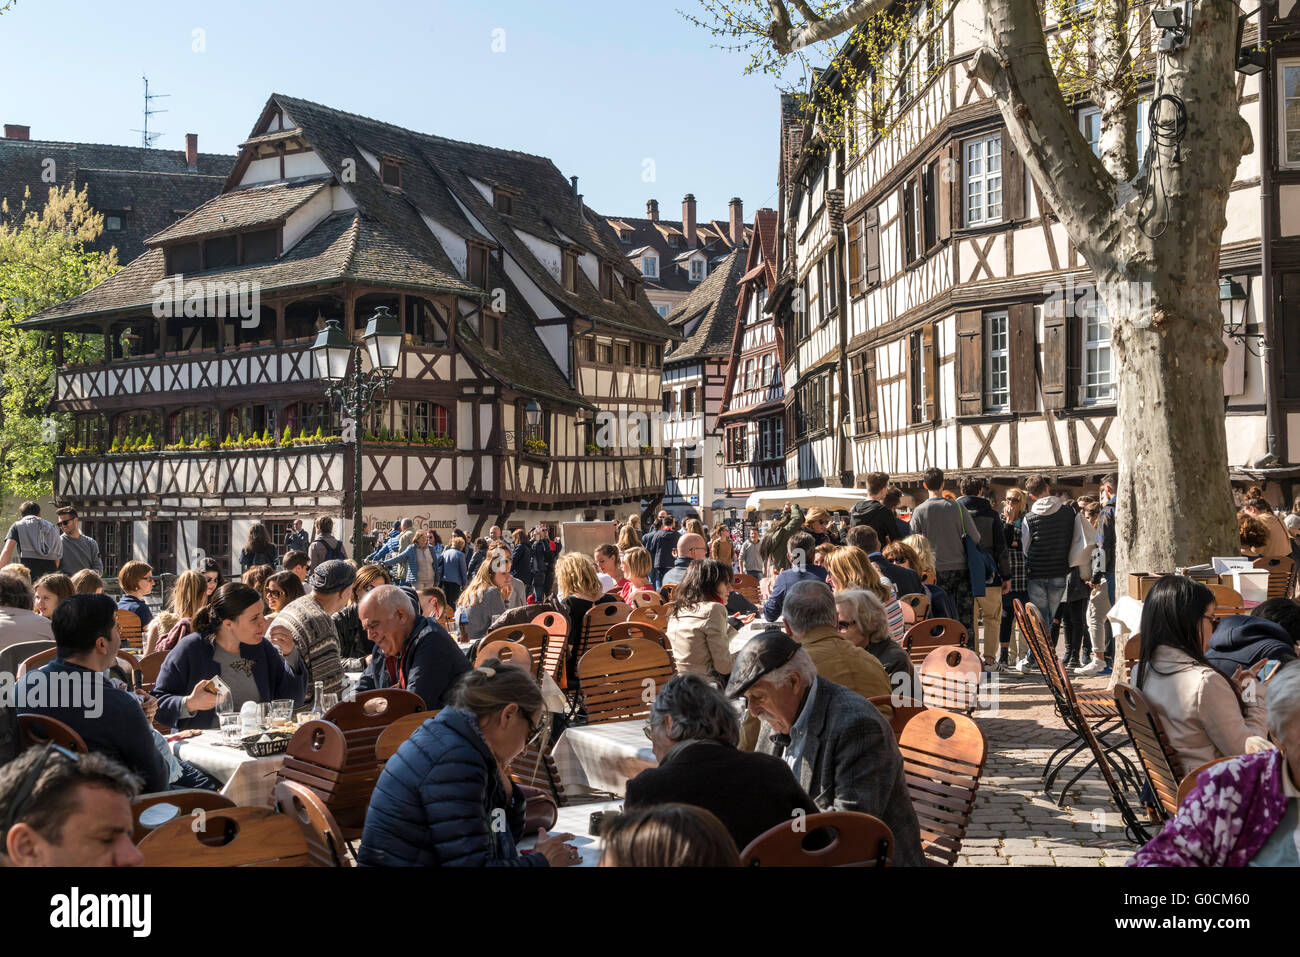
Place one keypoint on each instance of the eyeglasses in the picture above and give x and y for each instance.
(274, 593)
(845, 625)
(648, 730)
(28, 788)
(66, 522)
(536, 728)
(213, 580)
(146, 578)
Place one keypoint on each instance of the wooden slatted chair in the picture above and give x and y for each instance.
(646, 599)
(149, 667)
(1192, 778)
(616, 676)
(535, 767)
(1091, 721)
(943, 758)
(1281, 575)
(229, 837)
(857, 840)
(637, 629)
(667, 592)
(509, 651)
(11, 658)
(748, 587)
(1227, 600)
(128, 622)
(924, 636)
(950, 678)
(35, 730)
(920, 603)
(325, 844)
(395, 735)
(553, 622)
(656, 615)
(553, 658)
(597, 622)
(1159, 761)
(37, 660)
(903, 710)
(183, 802)
(531, 636)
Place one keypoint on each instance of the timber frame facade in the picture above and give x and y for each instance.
(206, 414)
(945, 317)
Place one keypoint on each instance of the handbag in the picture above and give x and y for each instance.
(979, 564)
(540, 809)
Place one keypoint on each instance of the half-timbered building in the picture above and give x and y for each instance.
(526, 330)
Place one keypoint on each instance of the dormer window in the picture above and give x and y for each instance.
(503, 201)
(569, 271)
(672, 240)
(492, 331)
(650, 267)
(390, 172)
(606, 281)
(629, 287)
(113, 222)
(625, 235)
(476, 266)
(697, 270)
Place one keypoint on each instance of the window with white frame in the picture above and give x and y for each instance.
(983, 175)
(1140, 135)
(697, 270)
(1098, 384)
(650, 267)
(997, 358)
(1289, 105)
(663, 311)
(768, 362)
(750, 382)
(1090, 126)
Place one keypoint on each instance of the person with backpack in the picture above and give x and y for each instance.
(993, 541)
(945, 523)
(326, 547)
(874, 513)
(36, 542)
(1054, 541)
(258, 549)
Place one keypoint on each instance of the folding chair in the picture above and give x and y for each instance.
(943, 758)
(924, 636)
(950, 678)
(616, 676)
(1158, 759)
(856, 840)
(228, 837)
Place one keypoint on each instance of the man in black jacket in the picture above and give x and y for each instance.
(905, 580)
(411, 651)
(993, 539)
(663, 550)
(873, 512)
(695, 734)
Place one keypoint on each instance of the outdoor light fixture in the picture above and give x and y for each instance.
(719, 459)
(1172, 21)
(533, 414)
(332, 350)
(383, 338)
(1232, 302)
(1252, 61)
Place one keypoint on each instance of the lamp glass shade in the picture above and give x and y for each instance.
(1232, 301)
(383, 338)
(1252, 61)
(533, 413)
(719, 459)
(332, 350)
(1167, 18)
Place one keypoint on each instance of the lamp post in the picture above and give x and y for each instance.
(355, 390)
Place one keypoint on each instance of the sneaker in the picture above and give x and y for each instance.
(1093, 668)
(1026, 665)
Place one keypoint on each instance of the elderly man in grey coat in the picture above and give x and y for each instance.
(840, 748)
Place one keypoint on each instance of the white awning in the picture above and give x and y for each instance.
(828, 498)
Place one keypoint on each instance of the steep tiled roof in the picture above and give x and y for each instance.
(228, 212)
(712, 236)
(713, 303)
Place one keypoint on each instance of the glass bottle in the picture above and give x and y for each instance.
(316, 710)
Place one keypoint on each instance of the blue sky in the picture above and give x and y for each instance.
(612, 91)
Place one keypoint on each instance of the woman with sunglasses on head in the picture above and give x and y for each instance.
(440, 799)
(136, 580)
(280, 589)
(188, 596)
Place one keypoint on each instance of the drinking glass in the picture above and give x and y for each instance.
(328, 700)
(231, 730)
(281, 710)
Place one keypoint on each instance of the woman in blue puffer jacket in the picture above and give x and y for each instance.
(441, 797)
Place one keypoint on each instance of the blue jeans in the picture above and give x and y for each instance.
(1046, 594)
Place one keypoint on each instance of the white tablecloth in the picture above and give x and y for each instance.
(575, 819)
(246, 781)
(601, 757)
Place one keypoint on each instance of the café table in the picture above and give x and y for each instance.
(245, 780)
(602, 757)
(575, 819)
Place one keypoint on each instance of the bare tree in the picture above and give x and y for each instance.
(1149, 231)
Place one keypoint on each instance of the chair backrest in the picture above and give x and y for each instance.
(636, 629)
(510, 651)
(36, 661)
(620, 679)
(374, 709)
(856, 840)
(341, 768)
(1132, 652)
(597, 622)
(531, 636)
(920, 603)
(656, 615)
(554, 657)
(535, 767)
(646, 599)
(1192, 777)
(554, 623)
(1164, 770)
(931, 633)
(1035, 632)
(150, 665)
(184, 802)
(950, 678)
(943, 758)
(667, 592)
(228, 837)
(1281, 575)
(13, 656)
(747, 585)
(128, 622)
(324, 837)
(903, 710)
(395, 735)
(1226, 597)
(35, 730)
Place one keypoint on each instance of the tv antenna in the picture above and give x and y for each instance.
(147, 138)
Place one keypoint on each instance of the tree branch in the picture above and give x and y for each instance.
(788, 38)
(806, 11)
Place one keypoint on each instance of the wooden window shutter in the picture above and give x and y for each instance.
(943, 195)
(1288, 332)
(1074, 360)
(970, 363)
(873, 247)
(869, 387)
(907, 202)
(955, 186)
(1055, 348)
(856, 231)
(929, 353)
(855, 378)
(1022, 356)
(1013, 181)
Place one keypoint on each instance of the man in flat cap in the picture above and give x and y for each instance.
(838, 745)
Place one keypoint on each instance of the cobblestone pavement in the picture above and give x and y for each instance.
(1014, 823)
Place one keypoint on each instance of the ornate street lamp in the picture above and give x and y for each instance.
(355, 391)
(1232, 302)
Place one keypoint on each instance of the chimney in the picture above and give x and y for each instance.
(192, 151)
(15, 132)
(737, 221)
(688, 219)
(652, 210)
(573, 181)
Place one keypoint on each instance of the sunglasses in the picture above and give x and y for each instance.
(28, 788)
(844, 625)
(213, 580)
(274, 593)
(66, 522)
